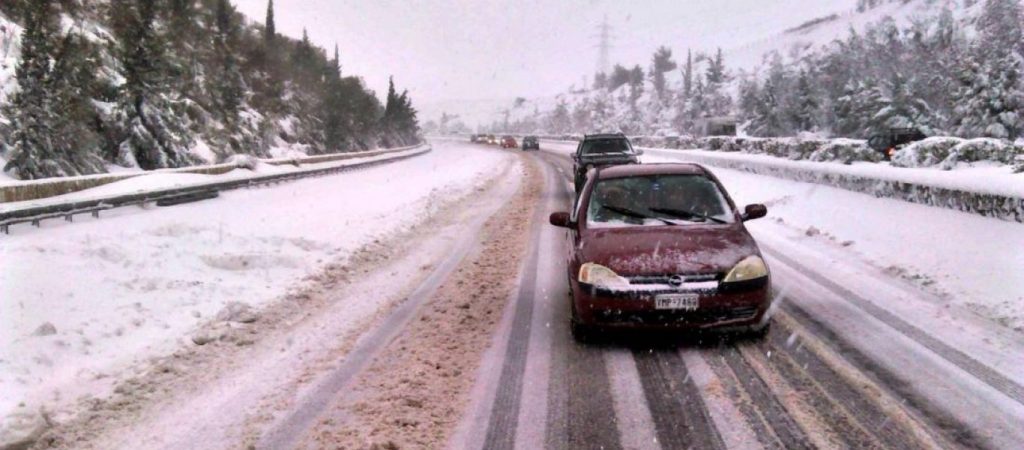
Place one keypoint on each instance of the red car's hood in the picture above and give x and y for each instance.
(661, 250)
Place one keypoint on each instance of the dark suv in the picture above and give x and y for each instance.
(602, 150)
(531, 143)
(887, 143)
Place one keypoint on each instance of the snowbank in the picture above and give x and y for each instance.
(137, 283)
(22, 191)
(948, 153)
(988, 191)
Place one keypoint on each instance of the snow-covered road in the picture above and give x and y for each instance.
(455, 331)
(80, 304)
(860, 356)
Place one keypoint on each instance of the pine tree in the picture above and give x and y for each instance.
(228, 87)
(560, 122)
(688, 76)
(768, 120)
(716, 69)
(661, 62)
(991, 94)
(32, 154)
(153, 133)
(804, 111)
(719, 103)
(270, 29)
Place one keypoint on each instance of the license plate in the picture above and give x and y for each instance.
(685, 302)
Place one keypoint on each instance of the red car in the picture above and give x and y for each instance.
(662, 246)
(509, 142)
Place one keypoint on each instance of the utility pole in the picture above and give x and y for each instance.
(604, 45)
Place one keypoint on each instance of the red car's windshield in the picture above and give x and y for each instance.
(657, 200)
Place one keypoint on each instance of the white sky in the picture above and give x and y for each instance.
(455, 49)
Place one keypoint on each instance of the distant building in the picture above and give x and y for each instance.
(716, 126)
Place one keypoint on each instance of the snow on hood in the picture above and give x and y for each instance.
(666, 250)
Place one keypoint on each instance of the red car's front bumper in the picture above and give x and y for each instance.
(717, 308)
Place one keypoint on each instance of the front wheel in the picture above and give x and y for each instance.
(760, 331)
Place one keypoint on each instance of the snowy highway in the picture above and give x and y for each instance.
(856, 360)
(452, 330)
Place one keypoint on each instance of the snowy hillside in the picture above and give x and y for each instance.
(811, 35)
(944, 67)
(111, 84)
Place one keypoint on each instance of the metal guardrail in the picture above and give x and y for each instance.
(36, 214)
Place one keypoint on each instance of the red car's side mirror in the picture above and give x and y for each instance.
(561, 219)
(755, 211)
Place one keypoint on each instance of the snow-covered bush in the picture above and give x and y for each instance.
(803, 148)
(845, 151)
(981, 149)
(948, 152)
(925, 153)
(243, 161)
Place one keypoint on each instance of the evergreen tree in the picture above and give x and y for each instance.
(991, 95)
(560, 122)
(153, 134)
(688, 76)
(804, 112)
(32, 153)
(228, 86)
(716, 69)
(270, 29)
(662, 62)
(768, 120)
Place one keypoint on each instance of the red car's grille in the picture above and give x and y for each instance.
(678, 317)
(673, 278)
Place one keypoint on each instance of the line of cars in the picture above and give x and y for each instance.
(658, 246)
(506, 141)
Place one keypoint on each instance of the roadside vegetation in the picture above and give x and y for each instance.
(169, 83)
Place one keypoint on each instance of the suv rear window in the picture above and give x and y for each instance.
(599, 146)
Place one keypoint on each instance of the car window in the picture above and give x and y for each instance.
(646, 200)
(598, 146)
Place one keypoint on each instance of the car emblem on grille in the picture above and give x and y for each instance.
(676, 280)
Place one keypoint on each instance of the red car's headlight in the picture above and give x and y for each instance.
(750, 268)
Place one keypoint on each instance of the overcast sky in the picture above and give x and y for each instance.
(452, 49)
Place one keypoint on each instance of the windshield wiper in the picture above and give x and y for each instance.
(684, 214)
(636, 214)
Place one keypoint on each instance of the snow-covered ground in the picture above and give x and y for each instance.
(81, 303)
(967, 260)
(176, 178)
(984, 177)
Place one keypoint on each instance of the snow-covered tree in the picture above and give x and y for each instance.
(991, 94)
(662, 62)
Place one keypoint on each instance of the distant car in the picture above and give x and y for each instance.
(602, 150)
(531, 143)
(491, 139)
(887, 143)
(662, 246)
(474, 138)
(509, 142)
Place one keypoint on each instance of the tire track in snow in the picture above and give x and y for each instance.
(890, 431)
(768, 407)
(504, 417)
(970, 365)
(632, 413)
(680, 416)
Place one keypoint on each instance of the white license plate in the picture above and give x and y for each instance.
(685, 302)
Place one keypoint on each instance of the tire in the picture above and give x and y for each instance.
(581, 332)
(759, 332)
